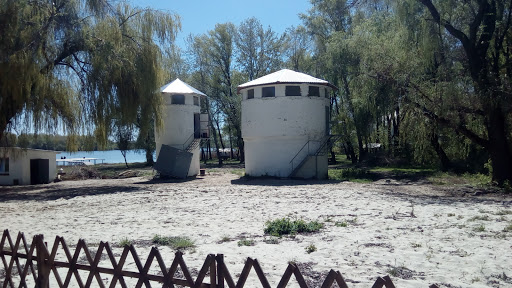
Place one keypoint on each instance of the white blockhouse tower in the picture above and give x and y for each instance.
(178, 142)
(285, 125)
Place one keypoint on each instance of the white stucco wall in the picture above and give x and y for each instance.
(275, 129)
(19, 164)
(178, 126)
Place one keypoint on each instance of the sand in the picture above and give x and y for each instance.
(418, 233)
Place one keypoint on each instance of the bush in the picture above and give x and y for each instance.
(246, 242)
(177, 243)
(286, 226)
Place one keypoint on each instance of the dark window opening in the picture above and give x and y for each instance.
(196, 100)
(4, 166)
(250, 94)
(178, 99)
(268, 92)
(292, 91)
(314, 91)
(326, 93)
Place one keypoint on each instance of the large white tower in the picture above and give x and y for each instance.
(178, 142)
(285, 125)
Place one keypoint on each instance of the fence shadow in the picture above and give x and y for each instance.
(41, 265)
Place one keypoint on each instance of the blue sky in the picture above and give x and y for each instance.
(200, 16)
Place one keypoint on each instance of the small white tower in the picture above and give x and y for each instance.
(285, 125)
(178, 143)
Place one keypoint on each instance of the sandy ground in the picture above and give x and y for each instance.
(419, 234)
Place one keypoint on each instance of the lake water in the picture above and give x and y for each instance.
(110, 156)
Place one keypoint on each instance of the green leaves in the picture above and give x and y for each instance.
(80, 65)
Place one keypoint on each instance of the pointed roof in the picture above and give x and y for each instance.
(285, 76)
(179, 87)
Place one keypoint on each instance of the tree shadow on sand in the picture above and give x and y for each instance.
(274, 181)
(54, 192)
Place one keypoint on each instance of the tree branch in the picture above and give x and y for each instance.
(463, 38)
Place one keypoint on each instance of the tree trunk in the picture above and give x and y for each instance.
(362, 151)
(240, 140)
(351, 152)
(123, 152)
(499, 149)
(149, 157)
(390, 136)
(446, 164)
(230, 142)
(216, 142)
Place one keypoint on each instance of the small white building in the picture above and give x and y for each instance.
(183, 128)
(285, 125)
(19, 166)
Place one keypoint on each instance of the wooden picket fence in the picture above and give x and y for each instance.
(40, 263)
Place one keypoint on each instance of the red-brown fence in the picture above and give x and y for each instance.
(41, 264)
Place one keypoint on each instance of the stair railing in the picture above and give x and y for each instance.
(307, 147)
(190, 139)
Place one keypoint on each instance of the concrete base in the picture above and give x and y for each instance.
(272, 156)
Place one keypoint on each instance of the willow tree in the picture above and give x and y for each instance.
(81, 66)
(482, 32)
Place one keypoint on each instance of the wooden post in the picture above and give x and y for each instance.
(43, 272)
(220, 270)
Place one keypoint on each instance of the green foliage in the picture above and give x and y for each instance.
(271, 240)
(480, 218)
(479, 228)
(125, 242)
(286, 226)
(66, 67)
(246, 242)
(351, 174)
(310, 248)
(177, 243)
(341, 224)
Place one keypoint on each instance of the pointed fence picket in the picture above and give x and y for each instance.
(47, 265)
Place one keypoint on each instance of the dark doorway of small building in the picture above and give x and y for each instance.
(327, 121)
(39, 171)
(197, 125)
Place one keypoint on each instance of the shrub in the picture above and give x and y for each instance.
(246, 242)
(125, 242)
(177, 243)
(285, 226)
(311, 248)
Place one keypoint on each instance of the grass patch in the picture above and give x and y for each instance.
(480, 228)
(271, 240)
(405, 171)
(508, 228)
(480, 218)
(177, 243)
(225, 239)
(124, 242)
(341, 224)
(311, 248)
(357, 175)
(240, 172)
(286, 226)
(504, 212)
(246, 242)
(450, 178)
(416, 245)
